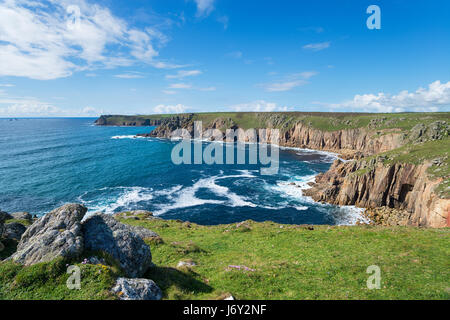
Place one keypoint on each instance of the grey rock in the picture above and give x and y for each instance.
(187, 264)
(22, 216)
(57, 234)
(104, 233)
(144, 233)
(13, 231)
(137, 289)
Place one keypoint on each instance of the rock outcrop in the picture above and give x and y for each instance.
(13, 231)
(133, 121)
(137, 289)
(22, 216)
(57, 234)
(4, 216)
(104, 233)
(371, 185)
(297, 134)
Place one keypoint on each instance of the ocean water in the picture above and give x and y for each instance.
(45, 163)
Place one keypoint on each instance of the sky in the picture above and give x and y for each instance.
(69, 58)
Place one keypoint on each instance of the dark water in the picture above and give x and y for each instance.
(45, 163)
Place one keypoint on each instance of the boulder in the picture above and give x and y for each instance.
(57, 234)
(13, 231)
(137, 289)
(144, 233)
(22, 216)
(4, 216)
(104, 233)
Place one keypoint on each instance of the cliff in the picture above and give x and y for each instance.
(398, 161)
(402, 186)
(347, 142)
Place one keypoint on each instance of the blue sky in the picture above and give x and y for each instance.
(86, 57)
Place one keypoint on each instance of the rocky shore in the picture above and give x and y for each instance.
(365, 181)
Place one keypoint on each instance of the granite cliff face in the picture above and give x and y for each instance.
(405, 187)
(348, 143)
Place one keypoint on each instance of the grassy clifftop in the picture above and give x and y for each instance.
(262, 261)
(322, 121)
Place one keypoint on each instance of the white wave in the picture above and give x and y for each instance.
(127, 137)
(343, 215)
(349, 216)
(186, 197)
(119, 197)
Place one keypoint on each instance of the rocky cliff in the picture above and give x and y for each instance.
(128, 121)
(347, 142)
(374, 184)
(404, 187)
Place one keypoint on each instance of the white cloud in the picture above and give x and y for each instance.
(183, 74)
(170, 92)
(290, 82)
(131, 75)
(224, 20)
(235, 54)
(317, 46)
(204, 7)
(284, 86)
(180, 86)
(258, 106)
(7, 85)
(52, 39)
(32, 107)
(179, 108)
(434, 98)
(90, 111)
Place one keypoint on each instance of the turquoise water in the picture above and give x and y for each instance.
(45, 163)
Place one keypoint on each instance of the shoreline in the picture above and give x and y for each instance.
(357, 215)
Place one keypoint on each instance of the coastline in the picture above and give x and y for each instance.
(355, 215)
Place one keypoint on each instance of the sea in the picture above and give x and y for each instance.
(45, 163)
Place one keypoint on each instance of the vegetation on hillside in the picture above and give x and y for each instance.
(263, 261)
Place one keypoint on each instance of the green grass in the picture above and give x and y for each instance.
(323, 121)
(292, 262)
(24, 222)
(287, 262)
(47, 281)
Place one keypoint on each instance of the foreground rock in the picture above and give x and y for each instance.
(104, 233)
(57, 234)
(22, 216)
(13, 231)
(137, 289)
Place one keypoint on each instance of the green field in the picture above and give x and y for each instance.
(285, 262)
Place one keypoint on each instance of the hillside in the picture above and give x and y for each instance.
(284, 262)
